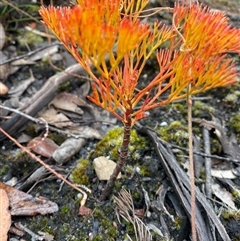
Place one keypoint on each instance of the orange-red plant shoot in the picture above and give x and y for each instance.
(110, 35)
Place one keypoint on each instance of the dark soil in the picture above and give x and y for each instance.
(104, 222)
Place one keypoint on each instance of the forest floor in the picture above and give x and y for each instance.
(144, 180)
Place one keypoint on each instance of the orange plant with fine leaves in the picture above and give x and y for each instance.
(109, 35)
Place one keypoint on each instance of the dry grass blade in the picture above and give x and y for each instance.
(5, 216)
(125, 207)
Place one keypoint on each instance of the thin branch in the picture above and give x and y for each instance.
(192, 176)
(207, 162)
(40, 121)
(29, 53)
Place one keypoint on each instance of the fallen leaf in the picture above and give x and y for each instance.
(68, 102)
(140, 212)
(84, 90)
(5, 216)
(223, 195)
(223, 174)
(104, 168)
(84, 211)
(23, 204)
(17, 64)
(22, 86)
(86, 131)
(54, 117)
(44, 147)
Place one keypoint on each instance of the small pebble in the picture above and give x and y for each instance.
(164, 123)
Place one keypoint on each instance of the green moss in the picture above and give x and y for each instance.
(64, 209)
(216, 146)
(234, 125)
(57, 137)
(4, 169)
(235, 193)
(29, 38)
(99, 237)
(203, 174)
(232, 98)
(178, 223)
(176, 133)
(112, 141)
(65, 228)
(129, 228)
(180, 108)
(109, 232)
(235, 122)
(65, 87)
(227, 214)
(199, 108)
(30, 130)
(79, 174)
(42, 223)
(144, 170)
(112, 232)
(129, 169)
(21, 159)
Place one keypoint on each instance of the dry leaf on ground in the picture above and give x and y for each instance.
(18, 90)
(69, 102)
(223, 174)
(223, 195)
(23, 204)
(44, 147)
(5, 216)
(84, 211)
(54, 117)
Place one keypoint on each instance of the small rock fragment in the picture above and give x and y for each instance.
(104, 168)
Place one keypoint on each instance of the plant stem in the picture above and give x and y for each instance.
(121, 159)
(192, 178)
